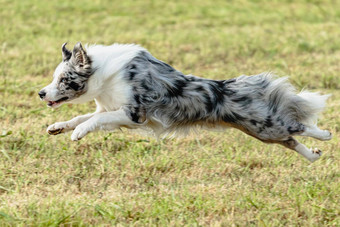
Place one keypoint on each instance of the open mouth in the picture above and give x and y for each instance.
(54, 103)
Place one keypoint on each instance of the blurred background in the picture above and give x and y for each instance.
(205, 179)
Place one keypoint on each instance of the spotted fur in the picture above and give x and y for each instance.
(127, 82)
(70, 78)
(261, 105)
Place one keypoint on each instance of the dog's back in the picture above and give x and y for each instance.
(265, 106)
(134, 89)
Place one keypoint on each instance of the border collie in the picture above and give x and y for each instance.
(133, 89)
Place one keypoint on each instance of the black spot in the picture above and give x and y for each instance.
(292, 130)
(295, 129)
(133, 66)
(228, 118)
(74, 86)
(184, 77)
(177, 88)
(238, 117)
(274, 102)
(219, 83)
(229, 81)
(198, 115)
(132, 74)
(233, 117)
(144, 85)
(136, 114)
(165, 100)
(208, 104)
(83, 74)
(217, 92)
(253, 122)
(243, 99)
(260, 130)
(268, 122)
(199, 88)
(134, 117)
(137, 99)
(162, 65)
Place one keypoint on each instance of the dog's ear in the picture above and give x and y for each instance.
(66, 53)
(79, 57)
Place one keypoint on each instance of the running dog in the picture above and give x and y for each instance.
(133, 89)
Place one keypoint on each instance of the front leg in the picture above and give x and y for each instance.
(103, 121)
(62, 127)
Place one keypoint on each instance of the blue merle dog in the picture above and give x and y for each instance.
(133, 89)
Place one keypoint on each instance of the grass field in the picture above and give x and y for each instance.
(216, 179)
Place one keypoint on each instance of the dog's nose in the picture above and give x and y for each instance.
(42, 94)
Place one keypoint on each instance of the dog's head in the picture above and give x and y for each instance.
(70, 78)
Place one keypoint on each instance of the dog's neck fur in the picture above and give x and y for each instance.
(106, 86)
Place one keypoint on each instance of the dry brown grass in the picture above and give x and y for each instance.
(119, 178)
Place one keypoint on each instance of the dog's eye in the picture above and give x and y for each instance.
(62, 80)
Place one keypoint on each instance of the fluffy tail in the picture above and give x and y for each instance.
(303, 107)
(313, 103)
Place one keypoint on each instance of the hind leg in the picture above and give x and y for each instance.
(315, 132)
(310, 154)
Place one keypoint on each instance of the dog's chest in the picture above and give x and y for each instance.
(114, 96)
(111, 102)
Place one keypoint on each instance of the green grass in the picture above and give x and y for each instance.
(217, 179)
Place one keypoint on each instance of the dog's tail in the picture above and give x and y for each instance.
(303, 107)
(310, 106)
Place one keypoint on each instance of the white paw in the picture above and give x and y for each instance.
(315, 154)
(57, 128)
(80, 131)
(326, 135)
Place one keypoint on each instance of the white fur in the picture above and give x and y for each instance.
(311, 154)
(111, 93)
(106, 85)
(52, 87)
(102, 121)
(315, 132)
(316, 103)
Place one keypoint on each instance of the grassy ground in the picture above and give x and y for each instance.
(211, 178)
